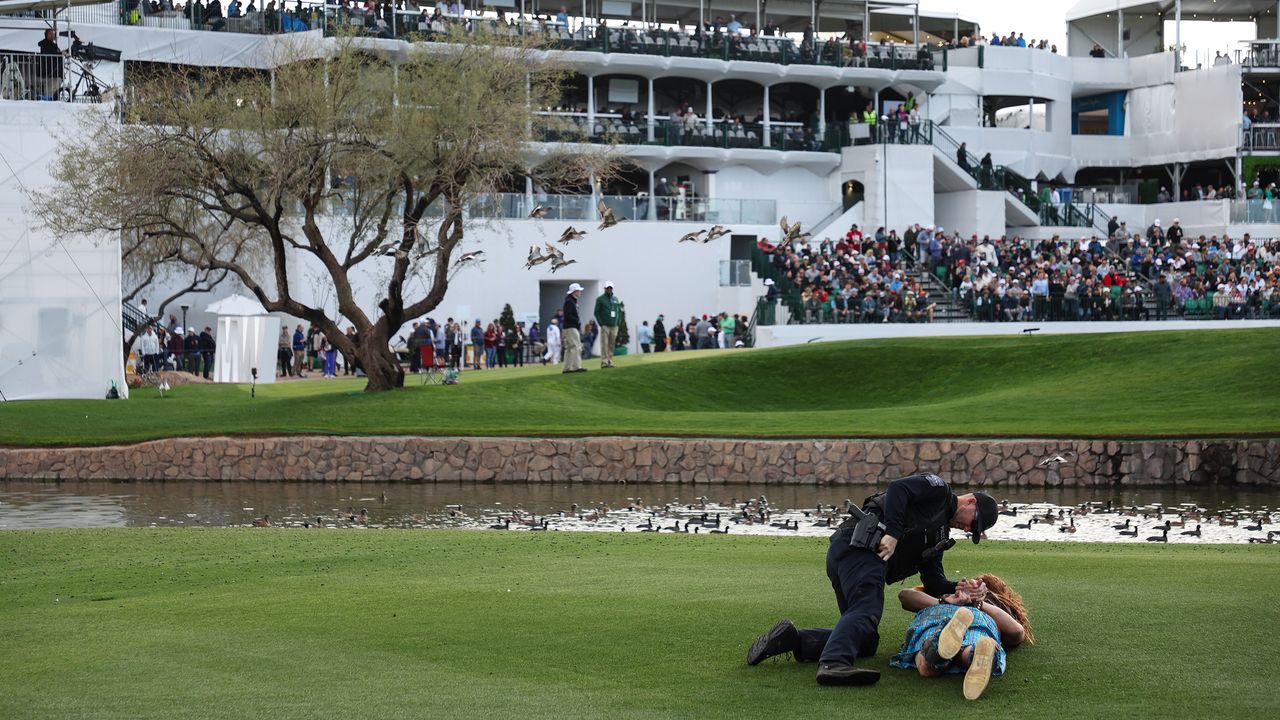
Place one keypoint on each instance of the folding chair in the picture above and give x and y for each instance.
(432, 366)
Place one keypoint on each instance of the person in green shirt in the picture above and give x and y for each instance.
(608, 314)
(727, 327)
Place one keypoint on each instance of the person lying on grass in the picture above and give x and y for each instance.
(967, 631)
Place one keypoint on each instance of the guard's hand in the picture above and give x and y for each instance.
(888, 544)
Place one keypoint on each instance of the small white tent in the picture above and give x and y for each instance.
(246, 341)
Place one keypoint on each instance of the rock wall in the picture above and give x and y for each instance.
(660, 460)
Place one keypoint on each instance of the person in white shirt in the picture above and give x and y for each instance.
(149, 349)
(553, 342)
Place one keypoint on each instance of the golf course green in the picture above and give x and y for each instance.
(464, 624)
(1134, 385)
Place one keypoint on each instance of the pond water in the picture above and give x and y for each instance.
(793, 510)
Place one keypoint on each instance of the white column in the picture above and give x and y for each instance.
(1120, 34)
(1177, 34)
(866, 22)
(710, 121)
(822, 112)
(915, 25)
(653, 210)
(591, 102)
(653, 121)
(766, 140)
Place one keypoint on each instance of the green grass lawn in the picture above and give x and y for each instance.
(1221, 382)
(455, 624)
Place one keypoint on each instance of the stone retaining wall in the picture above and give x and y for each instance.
(616, 459)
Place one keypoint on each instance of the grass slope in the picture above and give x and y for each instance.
(438, 624)
(1220, 382)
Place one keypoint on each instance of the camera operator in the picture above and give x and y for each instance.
(898, 533)
(49, 64)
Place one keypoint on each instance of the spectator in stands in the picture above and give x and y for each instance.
(1097, 51)
(962, 157)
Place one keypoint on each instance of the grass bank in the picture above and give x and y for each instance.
(274, 623)
(1154, 384)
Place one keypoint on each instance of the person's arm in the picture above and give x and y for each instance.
(1011, 631)
(935, 579)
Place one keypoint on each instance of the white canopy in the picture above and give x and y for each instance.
(239, 305)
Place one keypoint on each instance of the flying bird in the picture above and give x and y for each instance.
(1056, 460)
(716, 232)
(557, 264)
(535, 257)
(607, 220)
(554, 253)
(469, 257)
(539, 212)
(693, 236)
(570, 234)
(391, 249)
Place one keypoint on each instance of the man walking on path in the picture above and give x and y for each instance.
(608, 313)
(572, 332)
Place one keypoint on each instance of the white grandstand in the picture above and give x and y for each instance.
(737, 113)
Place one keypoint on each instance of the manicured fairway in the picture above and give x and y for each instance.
(1221, 382)
(439, 624)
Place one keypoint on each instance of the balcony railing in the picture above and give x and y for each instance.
(680, 208)
(1261, 136)
(1254, 211)
(32, 76)
(611, 128)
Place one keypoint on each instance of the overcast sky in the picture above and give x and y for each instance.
(1047, 19)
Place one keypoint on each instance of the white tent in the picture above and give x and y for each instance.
(246, 341)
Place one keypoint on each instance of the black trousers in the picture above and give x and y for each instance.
(857, 576)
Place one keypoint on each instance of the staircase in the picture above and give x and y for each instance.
(132, 317)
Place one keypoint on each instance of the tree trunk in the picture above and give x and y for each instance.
(380, 365)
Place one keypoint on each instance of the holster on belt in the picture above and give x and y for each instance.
(868, 531)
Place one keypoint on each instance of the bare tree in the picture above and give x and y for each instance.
(355, 164)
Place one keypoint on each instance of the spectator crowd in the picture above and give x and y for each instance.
(1151, 274)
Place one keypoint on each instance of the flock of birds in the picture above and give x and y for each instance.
(1179, 519)
(1092, 521)
(549, 253)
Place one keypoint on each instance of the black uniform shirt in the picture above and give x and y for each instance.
(916, 510)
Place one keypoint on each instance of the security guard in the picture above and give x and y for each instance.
(898, 533)
(869, 117)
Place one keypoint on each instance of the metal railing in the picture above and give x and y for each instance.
(1261, 136)
(33, 76)
(611, 128)
(516, 206)
(1258, 210)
